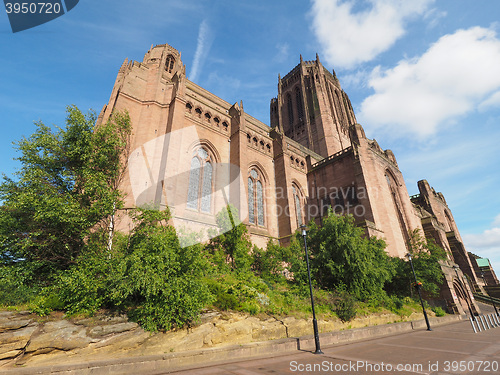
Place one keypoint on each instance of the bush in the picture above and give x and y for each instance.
(158, 283)
(14, 287)
(426, 261)
(270, 263)
(438, 311)
(233, 241)
(239, 291)
(341, 256)
(161, 283)
(345, 306)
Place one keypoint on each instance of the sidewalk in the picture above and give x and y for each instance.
(447, 349)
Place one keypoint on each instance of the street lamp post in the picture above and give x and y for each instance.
(491, 298)
(419, 293)
(315, 323)
(456, 268)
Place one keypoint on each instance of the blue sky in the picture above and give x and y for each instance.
(423, 76)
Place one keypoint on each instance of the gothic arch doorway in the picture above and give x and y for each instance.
(462, 295)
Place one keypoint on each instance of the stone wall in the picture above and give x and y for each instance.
(29, 340)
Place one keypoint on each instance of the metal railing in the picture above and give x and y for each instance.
(485, 322)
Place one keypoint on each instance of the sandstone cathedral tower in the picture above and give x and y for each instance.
(195, 153)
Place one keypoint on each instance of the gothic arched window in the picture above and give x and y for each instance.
(255, 198)
(290, 109)
(169, 64)
(298, 205)
(200, 182)
(298, 99)
(393, 188)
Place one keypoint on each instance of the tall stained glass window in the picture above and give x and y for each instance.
(298, 207)
(200, 182)
(251, 201)
(260, 203)
(255, 199)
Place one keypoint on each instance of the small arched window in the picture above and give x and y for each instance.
(200, 181)
(169, 64)
(255, 198)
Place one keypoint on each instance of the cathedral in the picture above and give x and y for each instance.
(196, 153)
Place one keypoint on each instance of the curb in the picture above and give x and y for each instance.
(157, 364)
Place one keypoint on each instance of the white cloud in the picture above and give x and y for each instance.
(488, 239)
(453, 77)
(492, 101)
(351, 37)
(433, 17)
(224, 86)
(205, 39)
(486, 244)
(496, 222)
(282, 53)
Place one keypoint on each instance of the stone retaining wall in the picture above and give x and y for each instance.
(30, 341)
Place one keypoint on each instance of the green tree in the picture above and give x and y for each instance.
(271, 263)
(66, 187)
(342, 257)
(161, 283)
(426, 256)
(233, 241)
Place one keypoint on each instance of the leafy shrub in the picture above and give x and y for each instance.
(341, 256)
(438, 311)
(158, 283)
(233, 241)
(394, 303)
(426, 257)
(161, 283)
(225, 299)
(345, 307)
(14, 286)
(270, 263)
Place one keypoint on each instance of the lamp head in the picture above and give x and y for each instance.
(303, 227)
(408, 256)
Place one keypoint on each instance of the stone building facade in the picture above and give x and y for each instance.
(195, 152)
